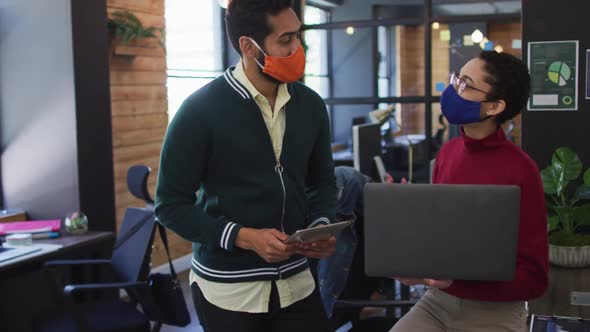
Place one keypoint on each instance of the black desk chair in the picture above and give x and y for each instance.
(131, 247)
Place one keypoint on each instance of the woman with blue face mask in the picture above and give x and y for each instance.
(488, 91)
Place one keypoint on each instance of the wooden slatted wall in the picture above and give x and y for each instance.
(140, 114)
(410, 74)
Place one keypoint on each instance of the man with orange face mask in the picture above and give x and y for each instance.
(255, 144)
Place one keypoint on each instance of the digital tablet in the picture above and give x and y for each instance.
(318, 233)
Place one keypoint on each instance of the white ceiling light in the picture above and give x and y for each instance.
(477, 36)
(435, 25)
(350, 31)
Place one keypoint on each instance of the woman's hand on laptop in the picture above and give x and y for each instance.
(435, 283)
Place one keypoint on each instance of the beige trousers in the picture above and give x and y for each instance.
(438, 311)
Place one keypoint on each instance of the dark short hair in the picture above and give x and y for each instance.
(249, 18)
(510, 81)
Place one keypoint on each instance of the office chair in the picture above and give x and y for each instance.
(137, 177)
(131, 247)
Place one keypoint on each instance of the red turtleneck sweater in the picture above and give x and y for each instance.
(496, 160)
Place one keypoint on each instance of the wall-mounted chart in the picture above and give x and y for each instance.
(554, 75)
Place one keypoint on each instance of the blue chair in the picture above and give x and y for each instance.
(137, 177)
(131, 247)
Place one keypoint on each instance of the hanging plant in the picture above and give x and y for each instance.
(125, 27)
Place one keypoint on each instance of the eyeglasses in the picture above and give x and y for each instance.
(460, 84)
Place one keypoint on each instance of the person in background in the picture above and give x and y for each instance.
(253, 142)
(490, 90)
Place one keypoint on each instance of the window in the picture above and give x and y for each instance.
(316, 41)
(193, 46)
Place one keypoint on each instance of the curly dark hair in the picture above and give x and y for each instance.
(510, 81)
(249, 18)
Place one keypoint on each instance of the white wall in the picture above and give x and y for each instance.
(37, 107)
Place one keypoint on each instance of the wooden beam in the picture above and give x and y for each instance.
(137, 137)
(138, 78)
(140, 62)
(135, 107)
(127, 52)
(147, 20)
(133, 92)
(137, 122)
(137, 152)
(154, 7)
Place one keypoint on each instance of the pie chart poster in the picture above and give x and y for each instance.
(554, 75)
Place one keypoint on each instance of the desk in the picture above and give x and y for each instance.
(557, 299)
(24, 290)
(70, 244)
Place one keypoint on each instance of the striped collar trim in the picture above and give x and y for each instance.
(240, 89)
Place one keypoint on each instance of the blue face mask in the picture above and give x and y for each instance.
(458, 110)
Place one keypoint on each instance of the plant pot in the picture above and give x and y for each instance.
(572, 257)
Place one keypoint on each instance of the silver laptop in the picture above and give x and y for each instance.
(457, 232)
(9, 253)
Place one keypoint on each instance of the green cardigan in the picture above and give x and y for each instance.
(219, 145)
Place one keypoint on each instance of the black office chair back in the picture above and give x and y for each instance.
(137, 177)
(133, 243)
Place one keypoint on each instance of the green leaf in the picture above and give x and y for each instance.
(572, 164)
(566, 218)
(582, 215)
(553, 222)
(587, 177)
(127, 27)
(559, 172)
(549, 180)
(582, 193)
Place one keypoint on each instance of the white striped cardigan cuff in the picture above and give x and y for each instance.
(321, 220)
(228, 236)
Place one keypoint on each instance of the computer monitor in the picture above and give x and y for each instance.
(366, 144)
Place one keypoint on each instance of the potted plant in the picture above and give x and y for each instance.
(76, 223)
(126, 30)
(568, 209)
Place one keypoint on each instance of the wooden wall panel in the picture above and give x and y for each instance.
(128, 78)
(410, 79)
(140, 63)
(129, 92)
(140, 113)
(141, 6)
(136, 107)
(135, 137)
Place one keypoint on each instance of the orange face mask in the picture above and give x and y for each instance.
(284, 69)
